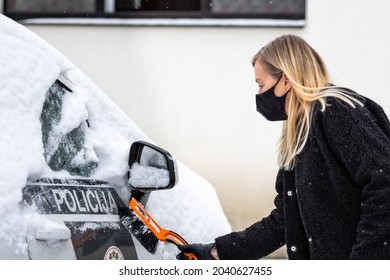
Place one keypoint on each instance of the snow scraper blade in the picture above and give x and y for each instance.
(136, 226)
(159, 232)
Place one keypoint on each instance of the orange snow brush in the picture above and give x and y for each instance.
(162, 234)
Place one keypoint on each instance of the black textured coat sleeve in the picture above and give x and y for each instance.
(258, 240)
(360, 139)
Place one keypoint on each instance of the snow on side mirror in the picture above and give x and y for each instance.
(151, 168)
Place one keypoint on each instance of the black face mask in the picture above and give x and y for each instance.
(271, 106)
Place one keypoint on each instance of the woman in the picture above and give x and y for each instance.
(333, 186)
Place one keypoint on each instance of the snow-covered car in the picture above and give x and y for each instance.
(91, 220)
(65, 166)
(90, 214)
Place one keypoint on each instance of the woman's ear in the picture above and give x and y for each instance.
(286, 83)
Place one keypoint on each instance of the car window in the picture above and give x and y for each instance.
(65, 147)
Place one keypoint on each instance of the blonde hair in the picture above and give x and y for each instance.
(304, 68)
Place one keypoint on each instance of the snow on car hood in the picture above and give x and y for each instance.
(29, 67)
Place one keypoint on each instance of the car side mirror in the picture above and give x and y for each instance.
(151, 168)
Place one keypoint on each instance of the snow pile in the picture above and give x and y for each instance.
(29, 68)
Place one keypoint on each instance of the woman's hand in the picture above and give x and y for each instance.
(201, 251)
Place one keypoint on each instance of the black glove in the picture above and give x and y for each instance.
(201, 251)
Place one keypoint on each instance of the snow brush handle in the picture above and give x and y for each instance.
(161, 233)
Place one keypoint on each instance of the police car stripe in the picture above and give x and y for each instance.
(78, 199)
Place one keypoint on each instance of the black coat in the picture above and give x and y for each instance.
(335, 204)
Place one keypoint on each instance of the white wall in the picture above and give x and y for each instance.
(192, 89)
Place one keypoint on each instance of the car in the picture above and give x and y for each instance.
(92, 220)
(70, 163)
(91, 215)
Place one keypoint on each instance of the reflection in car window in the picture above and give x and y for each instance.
(63, 150)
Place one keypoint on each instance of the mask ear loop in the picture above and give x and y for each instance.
(278, 80)
(274, 86)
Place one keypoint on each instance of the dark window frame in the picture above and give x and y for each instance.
(204, 13)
